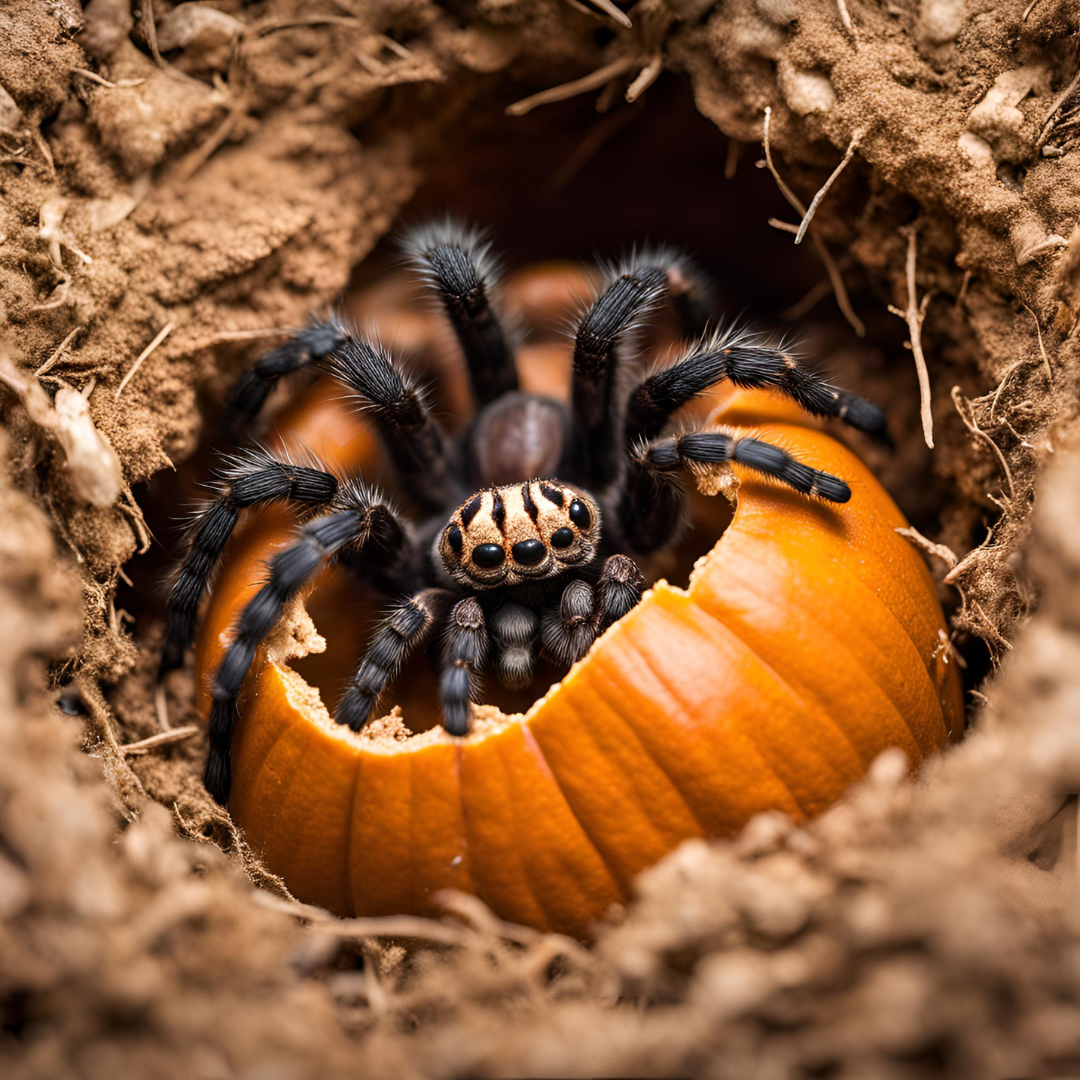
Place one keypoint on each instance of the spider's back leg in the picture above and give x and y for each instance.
(456, 262)
(653, 504)
(302, 349)
(750, 363)
(358, 519)
(254, 478)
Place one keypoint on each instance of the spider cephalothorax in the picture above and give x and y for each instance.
(518, 535)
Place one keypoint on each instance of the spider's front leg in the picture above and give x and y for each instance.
(253, 479)
(583, 612)
(747, 360)
(466, 648)
(653, 504)
(515, 634)
(405, 629)
(359, 520)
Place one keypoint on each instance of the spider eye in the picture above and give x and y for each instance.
(528, 552)
(488, 556)
(453, 538)
(579, 514)
(562, 538)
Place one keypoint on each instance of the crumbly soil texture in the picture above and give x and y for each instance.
(178, 181)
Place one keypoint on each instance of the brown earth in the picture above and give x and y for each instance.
(222, 169)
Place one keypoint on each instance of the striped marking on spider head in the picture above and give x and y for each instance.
(518, 533)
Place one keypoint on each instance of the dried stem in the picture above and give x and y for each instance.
(648, 75)
(1060, 100)
(57, 353)
(913, 315)
(162, 334)
(976, 430)
(848, 155)
(845, 17)
(593, 81)
(95, 78)
(940, 551)
(163, 738)
(827, 260)
(1042, 347)
(609, 9)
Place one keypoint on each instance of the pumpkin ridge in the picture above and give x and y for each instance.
(622, 880)
(534, 746)
(809, 700)
(798, 698)
(633, 647)
(623, 629)
(349, 897)
(287, 786)
(515, 824)
(838, 642)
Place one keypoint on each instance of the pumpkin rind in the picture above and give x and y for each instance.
(808, 641)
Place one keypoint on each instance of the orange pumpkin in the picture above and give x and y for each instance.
(809, 639)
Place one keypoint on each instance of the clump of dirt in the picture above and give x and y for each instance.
(180, 181)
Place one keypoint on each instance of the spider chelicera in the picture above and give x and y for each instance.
(522, 532)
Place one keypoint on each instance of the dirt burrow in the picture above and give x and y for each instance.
(217, 171)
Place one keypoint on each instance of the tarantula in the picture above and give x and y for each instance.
(522, 530)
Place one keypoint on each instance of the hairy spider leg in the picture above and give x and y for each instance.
(304, 347)
(743, 358)
(595, 451)
(653, 502)
(568, 626)
(515, 635)
(465, 649)
(407, 627)
(359, 520)
(571, 624)
(456, 262)
(254, 478)
(618, 590)
(402, 419)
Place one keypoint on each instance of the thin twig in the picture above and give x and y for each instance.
(162, 738)
(976, 430)
(609, 9)
(162, 334)
(1027, 11)
(1001, 385)
(57, 353)
(161, 707)
(845, 18)
(848, 155)
(648, 75)
(593, 81)
(94, 77)
(150, 30)
(309, 20)
(43, 146)
(1042, 347)
(837, 282)
(249, 335)
(811, 299)
(783, 226)
(198, 157)
(1057, 103)
(913, 315)
(940, 551)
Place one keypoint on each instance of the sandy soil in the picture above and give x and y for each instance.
(218, 170)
